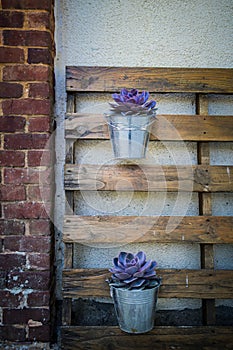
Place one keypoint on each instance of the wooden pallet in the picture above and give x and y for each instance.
(206, 283)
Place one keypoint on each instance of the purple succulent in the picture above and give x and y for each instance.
(133, 271)
(133, 102)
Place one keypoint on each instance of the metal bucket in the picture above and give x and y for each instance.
(135, 309)
(129, 135)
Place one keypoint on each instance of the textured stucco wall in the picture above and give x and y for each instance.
(163, 33)
(195, 33)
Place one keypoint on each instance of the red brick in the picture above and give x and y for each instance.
(39, 124)
(41, 333)
(12, 333)
(12, 158)
(12, 261)
(37, 280)
(26, 106)
(12, 124)
(27, 38)
(12, 193)
(22, 316)
(41, 298)
(3, 279)
(38, 158)
(37, 193)
(27, 4)
(39, 56)
(33, 193)
(39, 261)
(24, 210)
(12, 227)
(39, 90)
(11, 19)
(37, 20)
(10, 90)
(25, 141)
(21, 176)
(10, 300)
(40, 227)
(11, 55)
(28, 244)
(25, 72)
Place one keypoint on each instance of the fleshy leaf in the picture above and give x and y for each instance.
(131, 270)
(138, 283)
(129, 280)
(145, 266)
(133, 102)
(149, 274)
(122, 276)
(122, 258)
(141, 257)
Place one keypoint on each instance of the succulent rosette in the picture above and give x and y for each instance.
(133, 102)
(133, 271)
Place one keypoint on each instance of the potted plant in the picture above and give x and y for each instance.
(129, 122)
(134, 288)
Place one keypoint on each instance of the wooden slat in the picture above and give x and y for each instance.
(70, 156)
(165, 127)
(205, 208)
(160, 338)
(162, 229)
(66, 312)
(206, 80)
(175, 283)
(142, 177)
(69, 204)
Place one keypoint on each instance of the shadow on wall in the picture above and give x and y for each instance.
(94, 313)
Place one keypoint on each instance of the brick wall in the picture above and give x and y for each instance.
(26, 104)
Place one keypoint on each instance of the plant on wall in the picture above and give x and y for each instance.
(134, 288)
(129, 121)
(133, 271)
(132, 102)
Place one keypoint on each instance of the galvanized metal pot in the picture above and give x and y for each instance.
(129, 134)
(135, 309)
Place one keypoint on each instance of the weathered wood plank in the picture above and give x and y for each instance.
(160, 338)
(68, 255)
(165, 127)
(206, 80)
(199, 178)
(66, 312)
(70, 157)
(205, 208)
(161, 229)
(69, 203)
(210, 284)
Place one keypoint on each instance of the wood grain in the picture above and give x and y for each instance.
(145, 229)
(100, 79)
(210, 284)
(206, 283)
(160, 338)
(205, 208)
(164, 128)
(69, 203)
(199, 178)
